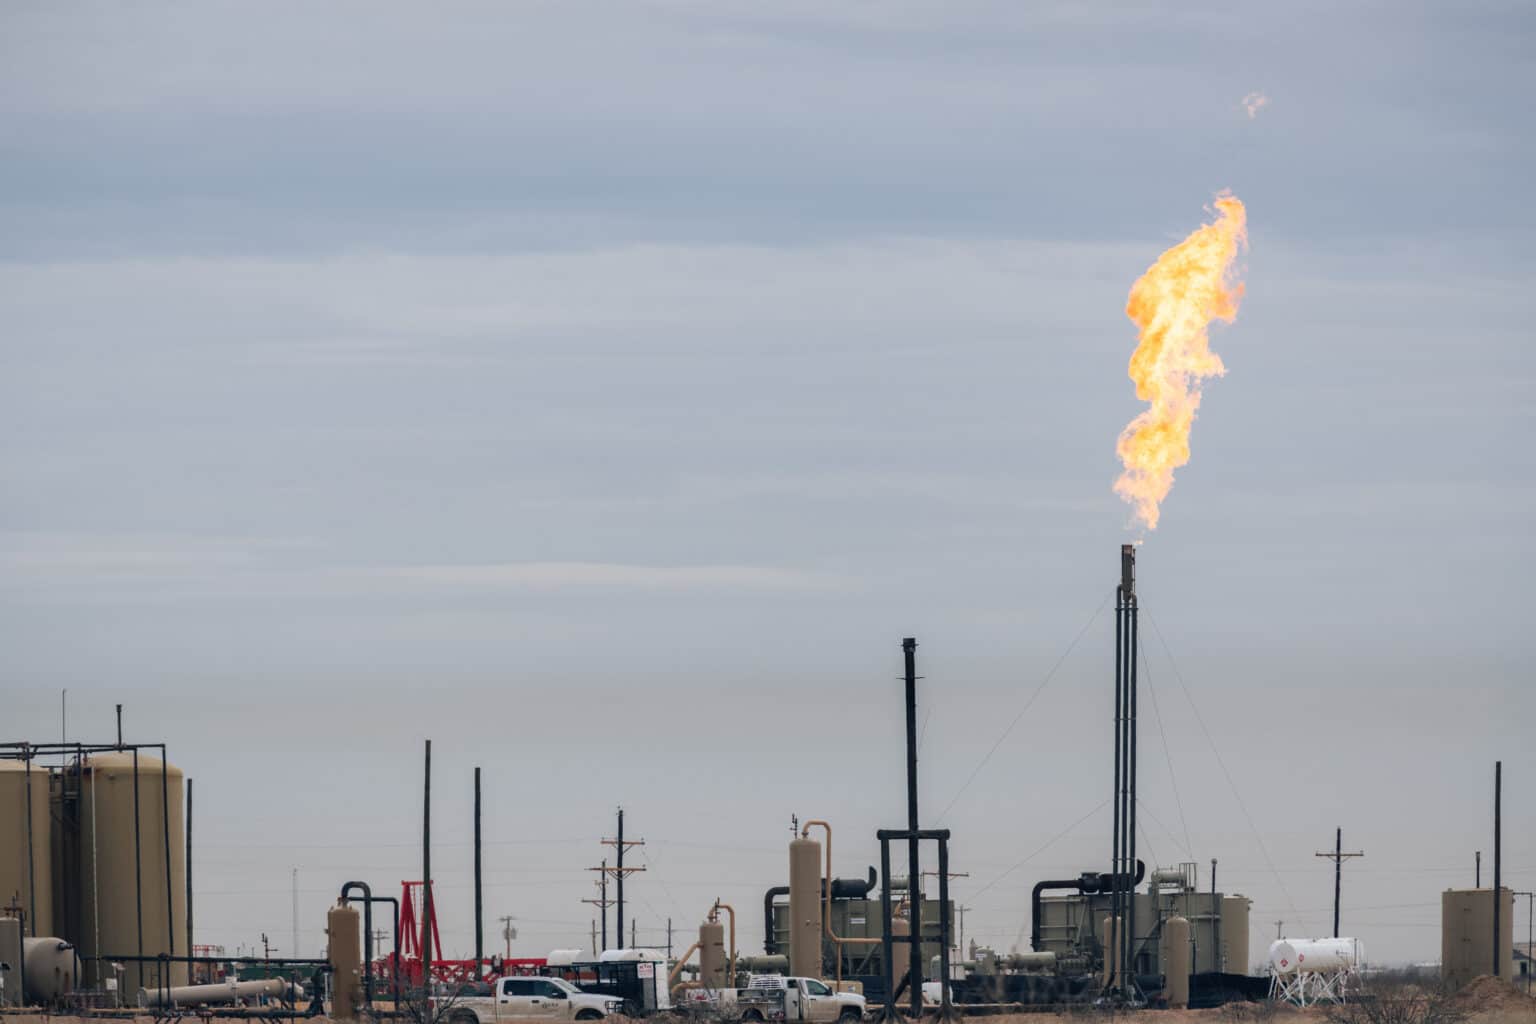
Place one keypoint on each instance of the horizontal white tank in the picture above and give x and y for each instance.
(620, 955)
(566, 957)
(1288, 956)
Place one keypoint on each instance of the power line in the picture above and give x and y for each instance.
(1157, 715)
(1027, 705)
(1220, 761)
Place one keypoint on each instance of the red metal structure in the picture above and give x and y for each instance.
(450, 972)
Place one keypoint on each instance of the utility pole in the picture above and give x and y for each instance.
(914, 877)
(669, 938)
(426, 873)
(619, 871)
(602, 902)
(508, 933)
(1279, 925)
(634, 943)
(960, 910)
(1338, 856)
(1477, 879)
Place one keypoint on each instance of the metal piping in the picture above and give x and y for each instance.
(826, 904)
(1087, 883)
(367, 936)
(770, 944)
(677, 968)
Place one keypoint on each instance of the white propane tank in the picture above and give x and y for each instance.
(565, 957)
(1289, 956)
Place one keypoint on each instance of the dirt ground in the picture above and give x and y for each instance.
(1485, 1001)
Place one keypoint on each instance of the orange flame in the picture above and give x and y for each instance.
(1172, 305)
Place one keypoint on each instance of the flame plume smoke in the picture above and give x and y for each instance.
(1172, 305)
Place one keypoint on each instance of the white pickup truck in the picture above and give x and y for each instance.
(773, 997)
(531, 997)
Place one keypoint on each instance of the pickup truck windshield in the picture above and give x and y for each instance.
(816, 988)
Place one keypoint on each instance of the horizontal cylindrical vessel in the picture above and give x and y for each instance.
(1288, 956)
(225, 992)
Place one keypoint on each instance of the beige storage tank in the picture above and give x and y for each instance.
(1234, 934)
(1176, 957)
(805, 908)
(28, 879)
(712, 956)
(344, 950)
(10, 955)
(1466, 935)
(901, 949)
(109, 897)
(52, 970)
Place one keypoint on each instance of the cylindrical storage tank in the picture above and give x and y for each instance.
(1287, 956)
(805, 908)
(1466, 935)
(1234, 934)
(52, 970)
(123, 896)
(901, 948)
(712, 955)
(26, 856)
(10, 954)
(1176, 962)
(344, 950)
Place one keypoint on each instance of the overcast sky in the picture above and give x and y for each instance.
(604, 390)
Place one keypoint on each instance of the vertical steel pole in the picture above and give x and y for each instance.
(426, 877)
(603, 892)
(914, 893)
(1338, 875)
(619, 876)
(1115, 793)
(1498, 863)
(479, 902)
(190, 940)
(170, 888)
(138, 867)
(1130, 827)
(31, 857)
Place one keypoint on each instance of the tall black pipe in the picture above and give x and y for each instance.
(1116, 794)
(165, 822)
(426, 875)
(1130, 829)
(479, 902)
(619, 876)
(770, 943)
(138, 867)
(190, 941)
(31, 859)
(914, 893)
(1498, 858)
